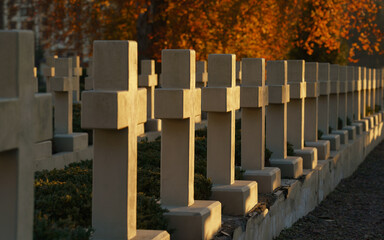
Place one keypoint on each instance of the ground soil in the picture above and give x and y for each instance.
(354, 210)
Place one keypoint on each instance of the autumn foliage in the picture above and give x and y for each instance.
(272, 29)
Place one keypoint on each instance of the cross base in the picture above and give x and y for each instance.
(201, 220)
(359, 127)
(153, 125)
(309, 156)
(151, 235)
(334, 140)
(323, 148)
(291, 167)
(238, 198)
(70, 142)
(268, 179)
(351, 132)
(343, 135)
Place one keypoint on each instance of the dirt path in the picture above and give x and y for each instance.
(354, 210)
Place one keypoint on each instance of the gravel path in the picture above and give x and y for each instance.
(354, 210)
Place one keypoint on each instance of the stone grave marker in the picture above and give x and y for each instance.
(88, 81)
(112, 109)
(177, 104)
(311, 112)
(324, 115)
(221, 99)
(253, 101)
(148, 80)
(21, 130)
(295, 113)
(65, 140)
(276, 131)
(49, 71)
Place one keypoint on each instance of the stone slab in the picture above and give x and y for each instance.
(359, 127)
(343, 135)
(201, 220)
(238, 198)
(151, 235)
(291, 167)
(70, 142)
(351, 132)
(323, 148)
(309, 156)
(268, 179)
(334, 140)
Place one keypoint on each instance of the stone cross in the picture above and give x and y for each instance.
(253, 100)
(338, 105)
(333, 97)
(26, 118)
(112, 110)
(201, 74)
(276, 131)
(64, 139)
(343, 103)
(324, 105)
(62, 85)
(177, 103)
(148, 79)
(373, 86)
(77, 72)
(88, 81)
(356, 77)
(378, 88)
(343, 79)
(351, 93)
(369, 89)
(363, 103)
(221, 99)
(49, 71)
(295, 113)
(311, 113)
(238, 72)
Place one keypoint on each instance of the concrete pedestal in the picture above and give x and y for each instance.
(359, 127)
(153, 125)
(291, 167)
(323, 148)
(365, 123)
(334, 141)
(268, 179)
(343, 135)
(201, 220)
(351, 132)
(309, 156)
(238, 198)
(151, 235)
(70, 142)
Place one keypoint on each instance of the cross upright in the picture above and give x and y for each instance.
(253, 101)
(77, 72)
(311, 112)
(324, 105)
(295, 113)
(344, 75)
(239, 73)
(177, 104)
(277, 121)
(19, 125)
(148, 79)
(112, 110)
